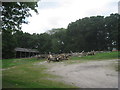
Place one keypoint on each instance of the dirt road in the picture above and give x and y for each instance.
(93, 74)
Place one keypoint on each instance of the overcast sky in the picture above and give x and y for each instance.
(59, 13)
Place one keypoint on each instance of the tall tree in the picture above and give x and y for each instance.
(93, 33)
(8, 44)
(113, 31)
(58, 40)
(44, 43)
(13, 15)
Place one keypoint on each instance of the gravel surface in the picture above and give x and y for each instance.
(93, 74)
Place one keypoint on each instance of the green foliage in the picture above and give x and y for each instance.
(113, 31)
(97, 33)
(13, 15)
(8, 44)
(58, 37)
(94, 33)
(23, 39)
(44, 43)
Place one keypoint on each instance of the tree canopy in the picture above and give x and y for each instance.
(89, 33)
(13, 15)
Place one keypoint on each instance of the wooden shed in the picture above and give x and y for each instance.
(25, 52)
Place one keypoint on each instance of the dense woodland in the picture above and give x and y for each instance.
(89, 33)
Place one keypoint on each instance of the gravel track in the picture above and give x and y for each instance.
(93, 74)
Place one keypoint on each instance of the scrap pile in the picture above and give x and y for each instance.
(58, 57)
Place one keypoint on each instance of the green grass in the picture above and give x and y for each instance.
(15, 62)
(99, 56)
(26, 74)
(96, 57)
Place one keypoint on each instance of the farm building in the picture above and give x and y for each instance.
(24, 52)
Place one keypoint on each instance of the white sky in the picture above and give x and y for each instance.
(59, 13)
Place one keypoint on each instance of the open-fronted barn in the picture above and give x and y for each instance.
(25, 52)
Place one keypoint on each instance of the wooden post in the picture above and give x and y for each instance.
(29, 54)
(32, 54)
(25, 54)
(20, 54)
(16, 54)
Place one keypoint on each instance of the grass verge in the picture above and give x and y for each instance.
(15, 62)
(96, 57)
(99, 56)
(27, 74)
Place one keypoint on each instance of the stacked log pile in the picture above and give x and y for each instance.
(58, 57)
(65, 56)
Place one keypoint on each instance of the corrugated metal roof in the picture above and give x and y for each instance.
(26, 50)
